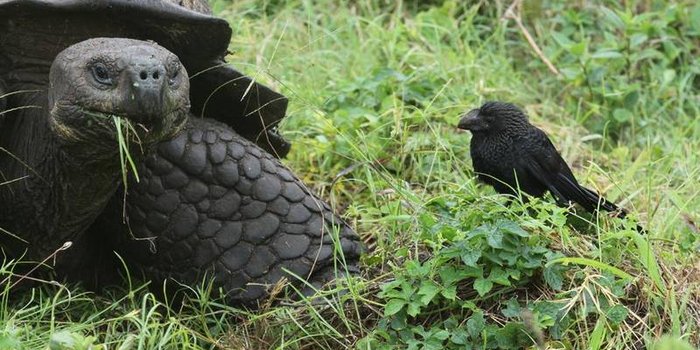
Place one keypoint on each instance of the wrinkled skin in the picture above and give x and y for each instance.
(67, 163)
(32, 32)
(137, 80)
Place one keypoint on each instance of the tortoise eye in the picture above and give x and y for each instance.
(101, 74)
(174, 75)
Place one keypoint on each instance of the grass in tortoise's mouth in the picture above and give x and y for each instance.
(125, 133)
(125, 129)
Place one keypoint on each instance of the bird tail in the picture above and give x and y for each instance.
(588, 199)
(600, 202)
(592, 201)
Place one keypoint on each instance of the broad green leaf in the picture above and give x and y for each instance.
(62, 340)
(562, 39)
(482, 286)
(413, 309)
(612, 17)
(499, 276)
(617, 314)
(476, 324)
(449, 293)
(441, 334)
(637, 39)
(9, 340)
(578, 49)
(459, 337)
(669, 75)
(670, 343)
(512, 227)
(470, 257)
(598, 335)
(607, 53)
(695, 18)
(553, 276)
(427, 291)
(622, 115)
(393, 306)
(548, 309)
(512, 308)
(66, 340)
(495, 239)
(512, 336)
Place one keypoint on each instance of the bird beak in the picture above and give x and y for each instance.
(471, 121)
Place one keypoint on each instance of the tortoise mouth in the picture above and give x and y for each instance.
(145, 125)
(99, 127)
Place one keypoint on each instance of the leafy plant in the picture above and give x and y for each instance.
(442, 301)
(65, 340)
(612, 51)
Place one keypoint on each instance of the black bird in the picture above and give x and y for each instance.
(509, 153)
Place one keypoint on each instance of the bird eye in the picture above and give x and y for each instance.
(101, 74)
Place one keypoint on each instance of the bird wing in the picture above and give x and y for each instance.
(544, 163)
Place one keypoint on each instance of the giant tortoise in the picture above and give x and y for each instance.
(211, 199)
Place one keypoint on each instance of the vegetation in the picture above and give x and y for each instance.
(376, 89)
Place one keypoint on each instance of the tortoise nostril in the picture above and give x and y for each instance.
(156, 75)
(143, 75)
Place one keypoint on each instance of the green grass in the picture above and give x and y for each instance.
(376, 89)
(126, 134)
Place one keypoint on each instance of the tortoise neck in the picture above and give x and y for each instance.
(53, 193)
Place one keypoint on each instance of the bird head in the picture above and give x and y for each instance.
(493, 116)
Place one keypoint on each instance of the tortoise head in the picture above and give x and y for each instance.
(96, 80)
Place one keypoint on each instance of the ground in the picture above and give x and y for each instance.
(376, 89)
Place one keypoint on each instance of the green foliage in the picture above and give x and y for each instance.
(473, 271)
(375, 90)
(670, 343)
(65, 340)
(10, 338)
(628, 64)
